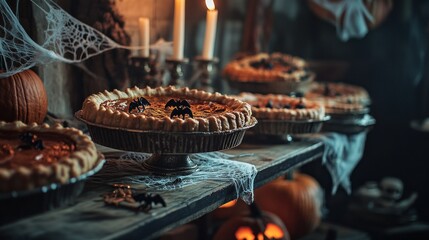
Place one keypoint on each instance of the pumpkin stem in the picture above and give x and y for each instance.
(289, 175)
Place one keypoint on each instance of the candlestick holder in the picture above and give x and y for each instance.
(204, 73)
(176, 71)
(143, 72)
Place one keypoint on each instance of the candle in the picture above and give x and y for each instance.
(179, 29)
(144, 36)
(210, 36)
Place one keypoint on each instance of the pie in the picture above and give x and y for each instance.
(282, 107)
(340, 98)
(265, 67)
(37, 155)
(339, 92)
(167, 109)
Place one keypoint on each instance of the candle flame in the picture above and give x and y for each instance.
(210, 5)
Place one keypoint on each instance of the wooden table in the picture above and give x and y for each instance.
(89, 218)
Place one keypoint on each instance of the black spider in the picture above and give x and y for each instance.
(137, 103)
(181, 108)
(148, 200)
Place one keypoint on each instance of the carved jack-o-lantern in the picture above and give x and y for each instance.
(260, 226)
(297, 202)
(272, 231)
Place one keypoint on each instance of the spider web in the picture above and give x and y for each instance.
(66, 39)
(214, 166)
(18, 51)
(69, 38)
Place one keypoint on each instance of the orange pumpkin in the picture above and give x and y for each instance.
(23, 97)
(297, 202)
(248, 228)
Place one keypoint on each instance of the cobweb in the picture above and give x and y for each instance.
(66, 39)
(214, 166)
(18, 51)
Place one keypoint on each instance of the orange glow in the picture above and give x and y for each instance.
(229, 204)
(210, 5)
(245, 233)
(272, 231)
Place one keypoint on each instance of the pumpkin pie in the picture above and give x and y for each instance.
(282, 107)
(167, 109)
(264, 67)
(34, 155)
(339, 92)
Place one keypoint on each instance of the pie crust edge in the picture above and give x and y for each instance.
(315, 112)
(239, 117)
(80, 161)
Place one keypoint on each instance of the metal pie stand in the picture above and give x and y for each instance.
(284, 129)
(170, 150)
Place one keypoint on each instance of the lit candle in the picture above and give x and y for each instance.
(179, 29)
(211, 23)
(144, 36)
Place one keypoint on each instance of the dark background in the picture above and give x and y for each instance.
(391, 63)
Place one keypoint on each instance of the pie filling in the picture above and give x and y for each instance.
(14, 152)
(158, 109)
(339, 91)
(282, 107)
(268, 67)
(276, 65)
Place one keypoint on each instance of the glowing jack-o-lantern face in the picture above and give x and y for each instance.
(272, 231)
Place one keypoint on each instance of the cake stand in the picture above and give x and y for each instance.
(170, 150)
(284, 129)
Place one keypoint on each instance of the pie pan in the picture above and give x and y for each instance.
(19, 204)
(170, 150)
(287, 127)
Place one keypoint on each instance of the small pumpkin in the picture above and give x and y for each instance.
(248, 227)
(23, 97)
(297, 202)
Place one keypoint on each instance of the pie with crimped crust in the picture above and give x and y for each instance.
(211, 112)
(340, 98)
(34, 155)
(282, 107)
(264, 67)
(339, 92)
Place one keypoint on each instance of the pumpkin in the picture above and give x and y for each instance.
(297, 202)
(247, 227)
(23, 97)
(379, 10)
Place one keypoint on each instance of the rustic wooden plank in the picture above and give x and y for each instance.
(89, 218)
